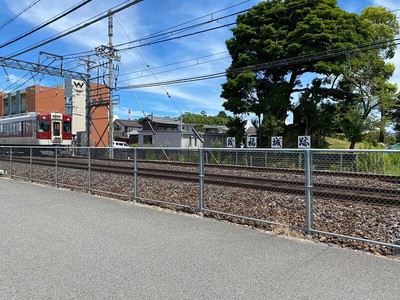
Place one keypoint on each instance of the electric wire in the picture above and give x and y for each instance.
(169, 96)
(160, 33)
(47, 23)
(272, 64)
(18, 14)
(11, 87)
(198, 18)
(76, 28)
(214, 75)
(173, 69)
(173, 32)
(167, 32)
(141, 40)
(196, 59)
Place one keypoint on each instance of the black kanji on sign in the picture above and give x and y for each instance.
(230, 142)
(304, 142)
(251, 142)
(276, 142)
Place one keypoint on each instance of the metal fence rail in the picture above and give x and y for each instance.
(332, 195)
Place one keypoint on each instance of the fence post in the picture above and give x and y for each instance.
(201, 179)
(341, 162)
(300, 160)
(266, 158)
(30, 163)
(135, 174)
(308, 191)
(89, 171)
(11, 149)
(56, 166)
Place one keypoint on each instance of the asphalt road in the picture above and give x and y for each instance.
(58, 244)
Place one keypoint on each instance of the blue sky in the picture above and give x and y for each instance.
(192, 56)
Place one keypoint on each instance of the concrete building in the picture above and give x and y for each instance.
(170, 132)
(167, 132)
(33, 99)
(215, 136)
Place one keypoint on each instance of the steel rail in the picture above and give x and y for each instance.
(324, 191)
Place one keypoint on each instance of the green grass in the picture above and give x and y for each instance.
(373, 162)
(334, 143)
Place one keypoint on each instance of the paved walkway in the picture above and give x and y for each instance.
(57, 244)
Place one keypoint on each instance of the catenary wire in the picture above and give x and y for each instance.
(18, 14)
(273, 64)
(77, 27)
(166, 31)
(47, 23)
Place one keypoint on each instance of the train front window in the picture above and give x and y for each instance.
(67, 127)
(56, 129)
(44, 126)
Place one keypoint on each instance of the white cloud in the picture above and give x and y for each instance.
(88, 38)
(389, 4)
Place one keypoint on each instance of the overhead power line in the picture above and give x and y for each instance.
(169, 31)
(194, 64)
(47, 23)
(177, 37)
(18, 14)
(171, 35)
(142, 41)
(271, 65)
(76, 28)
(176, 31)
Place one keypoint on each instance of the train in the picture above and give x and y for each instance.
(36, 129)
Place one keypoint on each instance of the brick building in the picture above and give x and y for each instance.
(53, 99)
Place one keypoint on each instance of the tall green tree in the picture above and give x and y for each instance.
(365, 75)
(275, 30)
(237, 129)
(394, 115)
(313, 116)
(353, 125)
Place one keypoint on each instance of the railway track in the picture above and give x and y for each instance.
(223, 176)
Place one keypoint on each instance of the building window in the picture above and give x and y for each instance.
(148, 139)
(23, 103)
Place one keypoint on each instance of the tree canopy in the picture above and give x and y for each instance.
(199, 120)
(299, 33)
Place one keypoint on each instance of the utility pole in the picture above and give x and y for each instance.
(110, 53)
(88, 105)
(110, 83)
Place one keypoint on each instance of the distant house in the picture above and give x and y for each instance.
(127, 131)
(251, 131)
(167, 132)
(251, 136)
(172, 132)
(214, 136)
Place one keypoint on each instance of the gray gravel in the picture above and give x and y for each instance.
(57, 244)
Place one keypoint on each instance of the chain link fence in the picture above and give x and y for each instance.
(347, 197)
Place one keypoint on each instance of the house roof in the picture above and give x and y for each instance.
(129, 123)
(251, 130)
(165, 121)
(220, 128)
